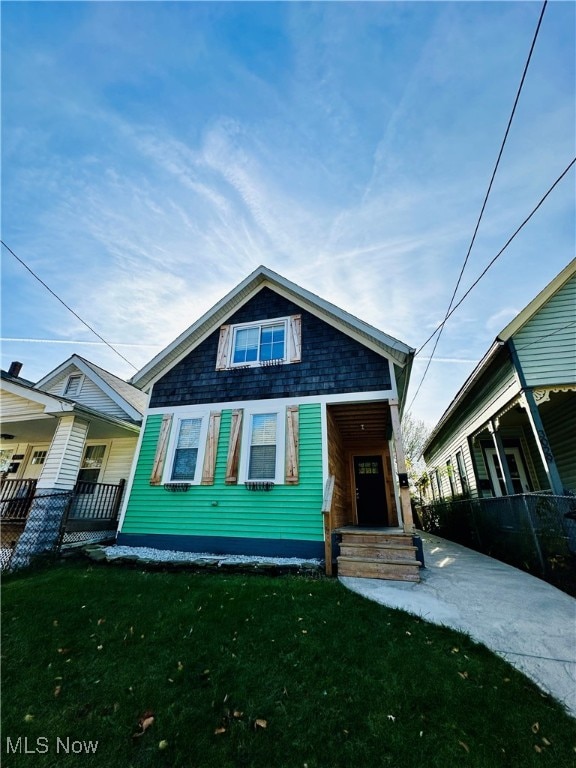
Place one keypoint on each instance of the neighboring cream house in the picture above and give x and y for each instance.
(75, 431)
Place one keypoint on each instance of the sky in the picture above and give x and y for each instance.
(155, 153)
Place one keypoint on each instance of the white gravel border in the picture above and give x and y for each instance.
(170, 556)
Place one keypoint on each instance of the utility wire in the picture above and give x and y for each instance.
(441, 326)
(66, 305)
(547, 335)
(500, 252)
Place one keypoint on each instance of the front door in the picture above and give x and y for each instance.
(37, 457)
(517, 469)
(371, 506)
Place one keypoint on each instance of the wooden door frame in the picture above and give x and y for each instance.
(390, 504)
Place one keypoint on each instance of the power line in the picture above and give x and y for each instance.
(76, 315)
(473, 240)
(500, 252)
(547, 335)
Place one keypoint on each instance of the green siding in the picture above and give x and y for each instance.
(546, 344)
(559, 418)
(285, 512)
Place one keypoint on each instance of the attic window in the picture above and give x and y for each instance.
(73, 384)
(263, 343)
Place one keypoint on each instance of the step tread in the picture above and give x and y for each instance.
(378, 560)
(378, 545)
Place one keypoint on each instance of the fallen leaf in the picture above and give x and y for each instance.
(464, 746)
(99, 647)
(57, 690)
(537, 748)
(455, 650)
(180, 666)
(162, 744)
(63, 650)
(55, 623)
(220, 730)
(101, 621)
(546, 742)
(28, 718)
(237, 713)
(260, 723)
(391, 717)
(535, 727)
(463, 675)
(144, 723)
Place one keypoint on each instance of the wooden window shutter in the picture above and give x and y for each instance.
(296, 336)
(161, 447)
(209, 466)
(292, 440)
(233, 459)
(223, 348)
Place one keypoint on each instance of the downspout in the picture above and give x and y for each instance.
(546, 455)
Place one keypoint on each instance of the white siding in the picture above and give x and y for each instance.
(14, 407)
(89, 395)
(119, 460)
(65, 454)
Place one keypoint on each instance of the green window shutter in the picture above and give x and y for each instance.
(223, 348)
(161, 447)
(209, 467)
(233, 459)
(296, 336)
(292, 440)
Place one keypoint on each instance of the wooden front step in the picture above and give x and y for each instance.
(373, 568)
(378, 554)
(378, 551)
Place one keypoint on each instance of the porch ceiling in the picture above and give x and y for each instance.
(363, 422)
(41, 430)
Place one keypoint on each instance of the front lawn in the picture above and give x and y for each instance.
(198, 671)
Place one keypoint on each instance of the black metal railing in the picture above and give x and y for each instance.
(532, 531)
(15, 499)
(96, 501)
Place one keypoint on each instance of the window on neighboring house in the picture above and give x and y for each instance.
(185, 461)
(260, 343)
(262, 461)
(450, 473)
(438, 483)
(462, 472)
(72, 387)
(39, 457)
(91, 464)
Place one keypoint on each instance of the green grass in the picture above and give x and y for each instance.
(335, 679)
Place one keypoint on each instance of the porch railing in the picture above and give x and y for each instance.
(532, 531)
(94, 504)
(15, 499)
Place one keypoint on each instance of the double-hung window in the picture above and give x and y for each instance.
(259, 343)
(262, 461)
(187, 443)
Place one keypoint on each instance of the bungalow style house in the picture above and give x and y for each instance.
(272, 429)
(511, 429)
(72, 434)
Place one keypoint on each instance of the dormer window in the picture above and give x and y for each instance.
(267, 342)
(73, 384)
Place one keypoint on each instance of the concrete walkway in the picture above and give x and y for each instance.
(528, 622)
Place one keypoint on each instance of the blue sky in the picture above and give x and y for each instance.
(155, 153)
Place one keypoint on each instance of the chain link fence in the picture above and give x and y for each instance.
(534, 531)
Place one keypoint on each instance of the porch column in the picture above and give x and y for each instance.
(501, 455)
(53, 490)
(529, 403)
(405, 503)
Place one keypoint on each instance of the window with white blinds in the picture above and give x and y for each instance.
(186, 452)
(262, 461)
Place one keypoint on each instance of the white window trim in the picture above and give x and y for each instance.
(171, 450)
(279, 476)
(261, 324)
(80, 377)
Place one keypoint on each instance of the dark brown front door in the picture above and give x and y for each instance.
(370, 490)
